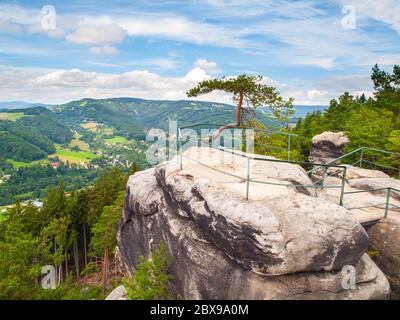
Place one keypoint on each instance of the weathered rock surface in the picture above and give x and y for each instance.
(327, 146)
(224, 247)
(283, 177)
(357, 173)
(358, 179)
(385, 238)
(385, 234)
(119, 293)
(377, 183)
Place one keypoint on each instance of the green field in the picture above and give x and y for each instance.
(73, 156)
(118, 140)
(11, 116)
(20, 164)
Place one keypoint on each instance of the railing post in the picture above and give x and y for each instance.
(387, 202)
(179, 147)
(343, 185)
(248, 178)
(289, 147)
(361, 157)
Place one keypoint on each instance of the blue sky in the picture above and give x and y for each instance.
(310, 50)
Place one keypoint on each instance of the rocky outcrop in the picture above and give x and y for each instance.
(119, 293)
(327, 146)
(385, 240)
(369, 208)
(276, 245)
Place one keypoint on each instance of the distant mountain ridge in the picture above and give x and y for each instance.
(11, 105)
(301, 110)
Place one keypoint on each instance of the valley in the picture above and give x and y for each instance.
(89, 135)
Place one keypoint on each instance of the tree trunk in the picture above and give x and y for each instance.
(61, 273)
(238, 119)
(105, 268)
(56, 267)
(66, 262)
(76, 259)
(84, 244)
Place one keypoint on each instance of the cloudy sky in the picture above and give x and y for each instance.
(159, 49)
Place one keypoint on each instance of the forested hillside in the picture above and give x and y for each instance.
(132, 117)
(30, 135)
(74, 232)
(75, 229)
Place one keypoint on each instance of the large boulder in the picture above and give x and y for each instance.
(223, 246)
(327, 146)
(385, 240)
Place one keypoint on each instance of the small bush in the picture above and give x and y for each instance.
(150, 280)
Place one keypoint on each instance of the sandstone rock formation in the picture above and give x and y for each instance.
(385, 239)
(369, 208)
(282, 243)
(119, 293)
(327, 146)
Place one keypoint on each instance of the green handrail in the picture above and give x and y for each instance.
(254, 157)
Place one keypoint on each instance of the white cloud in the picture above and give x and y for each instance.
(58, 86)
(240, 8)
(180, 29)
(386, 11)
(162, 63)
(9, 27)
(104, 34)
(209, 66)
(316, 94)
(306, 35)
(104, 50)
(196, 75)
(17, 19)
(322, 62)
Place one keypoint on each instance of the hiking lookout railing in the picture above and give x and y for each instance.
(190, 135)
(362, 160)
(387, 206)
(202, 129)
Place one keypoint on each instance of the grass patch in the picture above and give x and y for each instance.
(20, 164)
(118, 140)
(11, 116)
(73, 156)
(107, 131)
(91, 126)
(76, 142)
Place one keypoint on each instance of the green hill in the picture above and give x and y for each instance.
(131, 117)
(28, 135)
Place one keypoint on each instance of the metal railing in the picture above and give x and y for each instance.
(207, 126)
(318, 174)
(362, 151)
(387, 206)
(198, 142)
